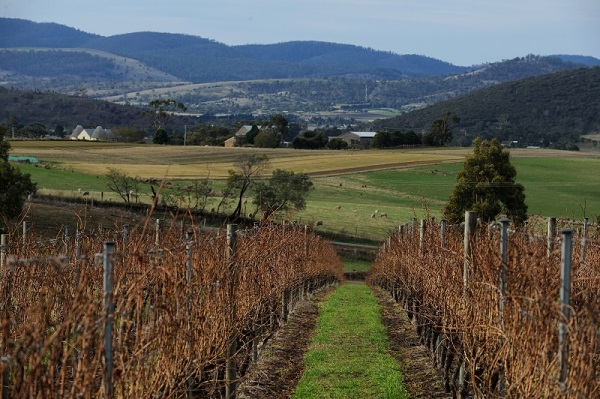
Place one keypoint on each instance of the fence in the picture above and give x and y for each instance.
(505, 314)
(160, 315)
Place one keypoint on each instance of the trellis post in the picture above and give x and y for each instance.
(25, 228)
(551, 234)
(107, 378)
(443, 233)
(470, 225)
(502, 292)
(422, 235)
(230, 366)
(565, 303)
(3, 249)
(584, 240)
(189, 239)
(157, 239)
(125, 235)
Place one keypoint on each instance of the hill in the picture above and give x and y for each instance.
(50, 109)
(196, 59)
(553, 109)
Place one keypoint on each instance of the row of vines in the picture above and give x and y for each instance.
(184, 310)
(490, 345)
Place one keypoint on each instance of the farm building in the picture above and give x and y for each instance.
(239, 138)
(97, 134)
(357, 139)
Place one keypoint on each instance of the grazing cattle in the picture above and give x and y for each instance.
(338, 207)
(319, 223)
(383, 215)
(373, 216)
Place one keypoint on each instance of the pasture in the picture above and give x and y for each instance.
(350, 186)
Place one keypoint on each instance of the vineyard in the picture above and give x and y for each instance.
(491, 309)
(171, 312)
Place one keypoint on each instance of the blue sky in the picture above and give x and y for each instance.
(463, 32)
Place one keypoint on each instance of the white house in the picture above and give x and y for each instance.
(97, 134)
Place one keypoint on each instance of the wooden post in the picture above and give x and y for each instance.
(443, 233)
(24, 232)
(3, 249)
(230, 365)
(502, 292)
(66, 238)
(107, 377)
(565, 303)
(470, 226)
(157, 239)
(78, 244)
(422, 236)
(125, 235)
(189, 238)
(584, 240)
(551, 234)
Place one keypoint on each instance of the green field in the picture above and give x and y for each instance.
(349, 186)
(349, 353)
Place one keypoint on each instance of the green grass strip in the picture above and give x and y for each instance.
(349, 355)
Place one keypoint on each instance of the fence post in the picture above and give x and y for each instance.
(125, 235)
(230, 366)
(25, 228)
(584, 240)
(422, 236)
(107, 380)
(470, 225)
(443, 233)
(157, 239)
(551, 234)
(189, 238)
(504, 260)
(565, 302)
(66, 238)
(78, 244)
(3, 249)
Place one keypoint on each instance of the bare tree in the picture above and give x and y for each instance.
(122, 184)
(248, 169)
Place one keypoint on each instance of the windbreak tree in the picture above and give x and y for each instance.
(14, 185)
(487, 185)
(283, 192)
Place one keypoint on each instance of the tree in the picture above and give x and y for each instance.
(267, 139)
(122, 184)
(280, 124)
(337, 144)
(15, 185)
(487, 185)
(441, 130)
(161, 137)
(309, 140)
(128, 134)
(248, 168)
(161, 110)
(254, 130)
(283, 192)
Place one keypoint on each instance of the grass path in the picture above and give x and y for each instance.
(349, 354)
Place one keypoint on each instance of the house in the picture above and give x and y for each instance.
(239, 138)
(97, 134)
(357, 139)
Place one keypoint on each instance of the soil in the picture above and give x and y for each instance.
(281, 364)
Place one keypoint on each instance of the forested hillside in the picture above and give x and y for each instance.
(23, 108)
(553, 109)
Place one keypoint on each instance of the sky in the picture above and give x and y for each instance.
(462, 32)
